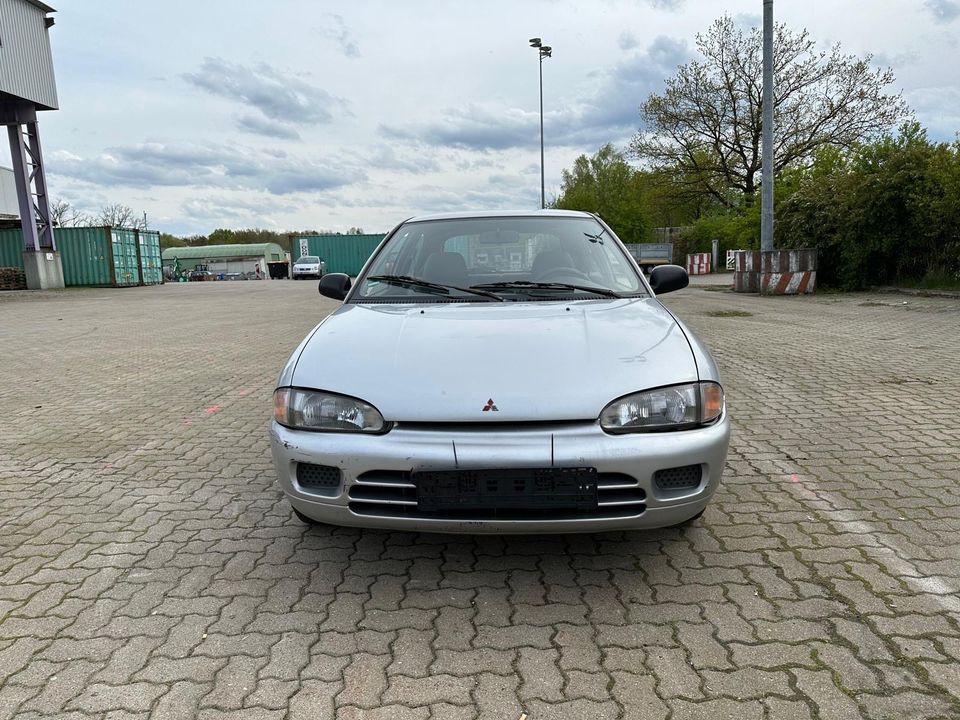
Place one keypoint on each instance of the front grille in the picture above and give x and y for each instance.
(678, 478)
(320, 479)
(390, 493)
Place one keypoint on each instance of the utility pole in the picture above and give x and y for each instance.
(766, 225)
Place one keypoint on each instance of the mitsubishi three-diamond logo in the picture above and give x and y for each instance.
(490, 406)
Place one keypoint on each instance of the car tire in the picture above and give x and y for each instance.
(689, 521)
(304, 519)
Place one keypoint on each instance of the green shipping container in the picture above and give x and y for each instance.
(11, 248)
(98, 256)
(148, 258)
(342, 253)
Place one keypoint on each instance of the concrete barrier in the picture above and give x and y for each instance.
(746, 271)
(698, 264)
(788, 272)
(780, 272)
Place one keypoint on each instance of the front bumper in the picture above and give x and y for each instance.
(635, 457)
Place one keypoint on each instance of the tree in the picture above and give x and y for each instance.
(120, 216)
(708, 122)
(607, 185)
(63, 214)
(167, 240)
(884, 213)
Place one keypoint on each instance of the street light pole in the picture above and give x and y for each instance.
(545, 52)
(766, 208)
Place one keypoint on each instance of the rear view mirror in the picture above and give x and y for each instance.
(335, 285)
(667, 278)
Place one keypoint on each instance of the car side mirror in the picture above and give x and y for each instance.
(667, 278)
(335, 285)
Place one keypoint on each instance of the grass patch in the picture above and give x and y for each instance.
(729, 313)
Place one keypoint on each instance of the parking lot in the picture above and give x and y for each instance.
(149, 567)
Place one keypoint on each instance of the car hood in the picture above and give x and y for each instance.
(535, 361)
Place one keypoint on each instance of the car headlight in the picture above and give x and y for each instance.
(678, 407)
(318, 410)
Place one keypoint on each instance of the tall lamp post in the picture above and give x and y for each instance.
(766, 209)
(545, 52)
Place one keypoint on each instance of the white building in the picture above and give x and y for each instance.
(8, 195)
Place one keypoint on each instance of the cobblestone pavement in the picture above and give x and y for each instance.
(149, 567)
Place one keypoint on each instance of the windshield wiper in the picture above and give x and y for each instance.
(530, 285)
(436, 288)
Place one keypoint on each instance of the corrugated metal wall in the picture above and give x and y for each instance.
(11, 248)
(96, 256)
(85, 256)
(151, 270)
(341, 253)
(26, 63)
(126, 268)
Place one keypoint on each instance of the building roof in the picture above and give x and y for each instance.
(223, 251)
(42, 6)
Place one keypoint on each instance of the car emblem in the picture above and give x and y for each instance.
(490, 406)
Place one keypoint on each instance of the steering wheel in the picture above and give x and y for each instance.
(554, 274)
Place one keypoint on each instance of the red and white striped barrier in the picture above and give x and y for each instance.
(698, 264)
(780, 272)
(788, 272)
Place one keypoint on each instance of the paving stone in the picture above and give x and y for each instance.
(713, 709)
(364, 681)
(142, 574)
(135, 697)
(540, 676)
(429, 690)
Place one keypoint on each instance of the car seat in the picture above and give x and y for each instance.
(446, 268)
(548, 260)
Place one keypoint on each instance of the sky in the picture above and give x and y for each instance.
(295, 115)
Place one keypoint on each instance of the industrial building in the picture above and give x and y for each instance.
(9, 209)
(241, 258)
(27, 86)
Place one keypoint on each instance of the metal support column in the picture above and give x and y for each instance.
(21, 174)
(39, 175)
(31, 181)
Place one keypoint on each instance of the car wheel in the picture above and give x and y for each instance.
(689, 521)
(303, 518)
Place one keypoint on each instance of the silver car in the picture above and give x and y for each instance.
(500, 373)
(308, 266)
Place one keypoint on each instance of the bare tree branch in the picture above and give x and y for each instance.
(708, 122)
(120, 216)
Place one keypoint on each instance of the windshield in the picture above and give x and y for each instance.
(308, 260)
(515, 259)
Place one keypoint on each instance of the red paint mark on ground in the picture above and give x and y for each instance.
(211, 409)
(243, 392)
(794, 479)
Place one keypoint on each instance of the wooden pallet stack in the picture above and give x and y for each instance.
(12, 278)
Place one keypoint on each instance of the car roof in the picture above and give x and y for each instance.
(468, 215)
